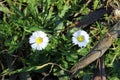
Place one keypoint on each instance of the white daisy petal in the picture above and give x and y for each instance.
(35, 34)
(42, 34)
(77, 33)
(45, 39)
(39, 47)
(75, 41)
(38, 40)
(81, 38)
(34, 46)
(43, 45)
(31, 40)
(82, 44)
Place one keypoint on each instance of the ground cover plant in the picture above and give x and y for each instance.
(21, 60)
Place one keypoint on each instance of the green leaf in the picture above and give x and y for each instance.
(95, 4)
(5, 10)
(31, 29)
(64, 9)
(72, 57)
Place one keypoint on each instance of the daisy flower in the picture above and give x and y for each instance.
(80, 38)
(38, 40)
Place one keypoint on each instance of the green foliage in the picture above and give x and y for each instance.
(23, 17)
(95, 4)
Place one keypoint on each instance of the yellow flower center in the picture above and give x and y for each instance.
(39, 40)
(80, 38)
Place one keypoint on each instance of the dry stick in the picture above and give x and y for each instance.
(99, 73)
(90, 18)
(28, 69)
(97, 50)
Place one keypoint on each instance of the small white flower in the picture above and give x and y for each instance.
(38, 40)
(81, 38)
